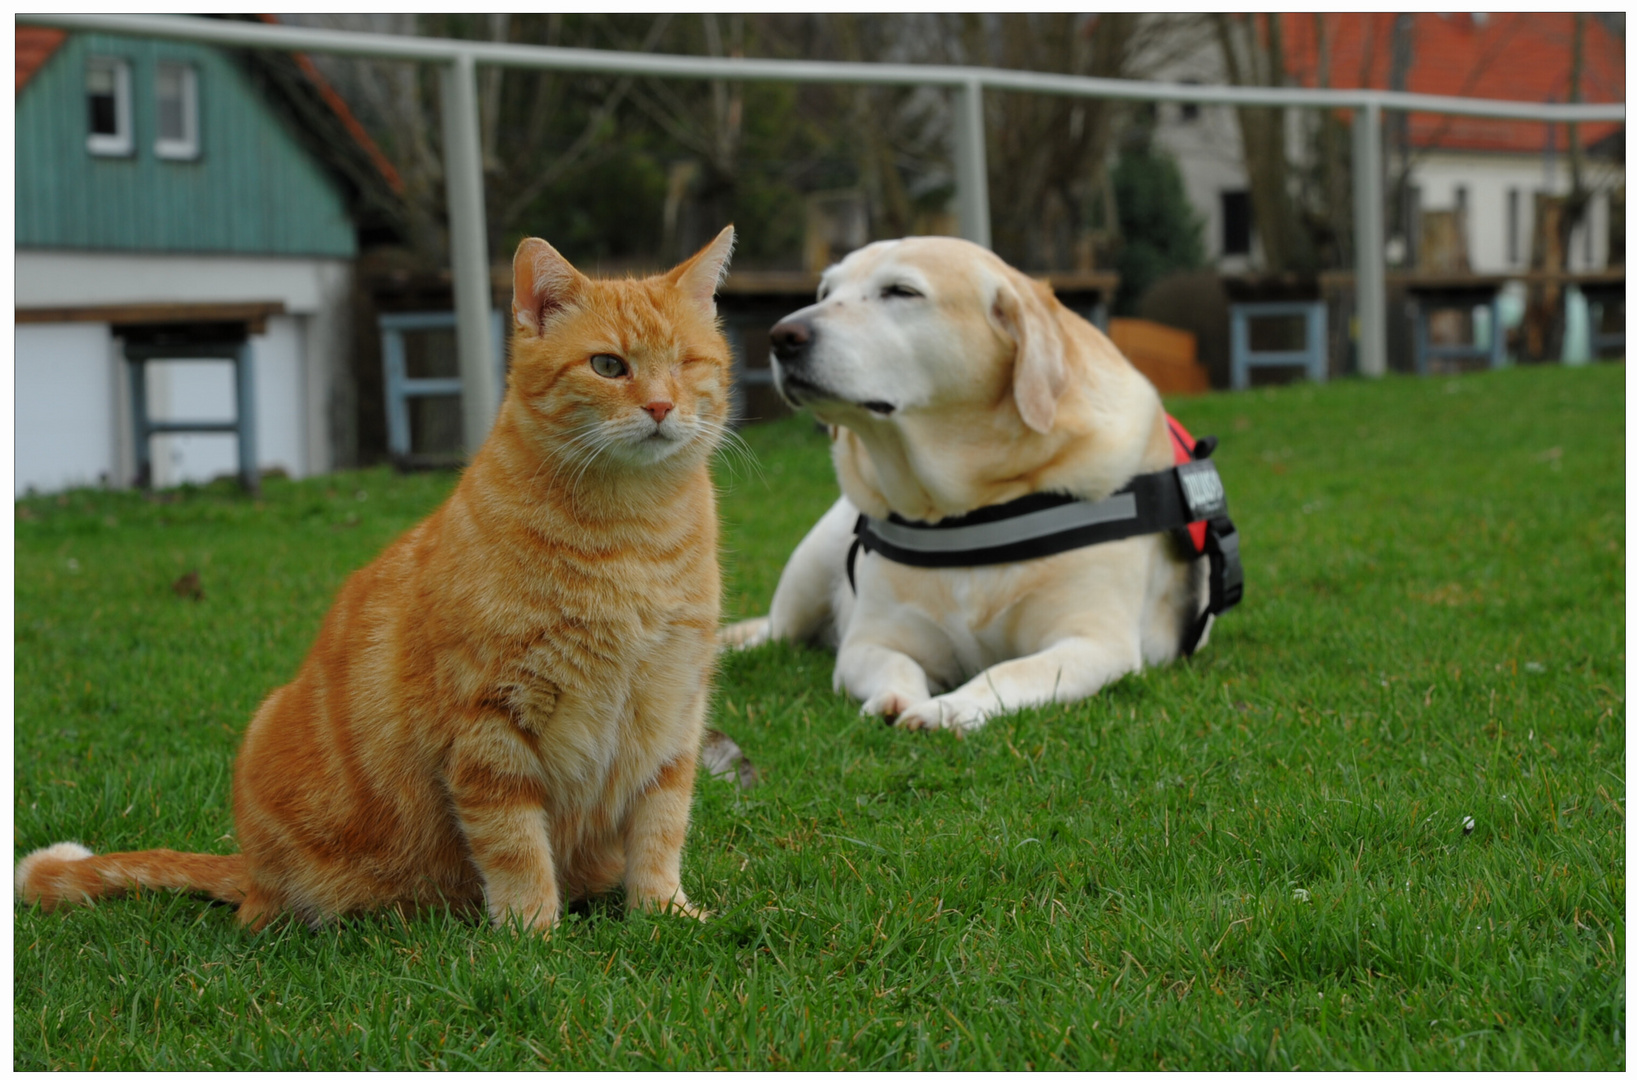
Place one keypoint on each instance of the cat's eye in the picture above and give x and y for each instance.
(608, 365)
(899, 290)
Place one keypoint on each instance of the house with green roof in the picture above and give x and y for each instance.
(171, 188)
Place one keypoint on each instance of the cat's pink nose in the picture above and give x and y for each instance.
(659, 410)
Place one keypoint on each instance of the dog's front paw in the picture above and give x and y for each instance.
(889, 705)
(745, 634)
(948, 711)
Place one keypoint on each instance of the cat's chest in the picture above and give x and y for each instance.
(610, 673)
(598, 647)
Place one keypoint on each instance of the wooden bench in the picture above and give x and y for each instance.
(1604, 291)
(401, 386)
(1467, 292)
(1253, 298)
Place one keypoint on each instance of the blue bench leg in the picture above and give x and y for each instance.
(1423, 342)
(1318, 329)
(1239, 350)
(139, 422)
(244, 385)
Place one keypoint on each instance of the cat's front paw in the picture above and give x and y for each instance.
(671, 905)
(689, 911)
(541, 920)
(948, 711)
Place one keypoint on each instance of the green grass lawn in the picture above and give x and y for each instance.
(1255, 859)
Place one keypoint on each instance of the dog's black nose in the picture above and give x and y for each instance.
(791, 339)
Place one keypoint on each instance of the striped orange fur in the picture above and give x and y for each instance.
(504, 708)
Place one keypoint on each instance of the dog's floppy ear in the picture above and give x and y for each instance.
(1039, 371)
(699, 276)
(542, 282)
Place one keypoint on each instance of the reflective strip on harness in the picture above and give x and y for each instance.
(1038, 525)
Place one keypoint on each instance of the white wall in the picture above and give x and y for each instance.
(66, 434)
(281, 395)
(1488, 178)
(297, 363)
(59, 278)
(1208, 155)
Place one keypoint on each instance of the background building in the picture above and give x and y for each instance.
(1485, 171)
(159, 181)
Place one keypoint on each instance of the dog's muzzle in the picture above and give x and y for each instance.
(792, 362)
(793, 341)
(793, 374)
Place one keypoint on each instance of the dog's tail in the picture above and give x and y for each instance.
(69, 874)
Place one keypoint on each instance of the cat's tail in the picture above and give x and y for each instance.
(69, 874)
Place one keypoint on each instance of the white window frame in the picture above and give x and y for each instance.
(122, 142)
(185, 148)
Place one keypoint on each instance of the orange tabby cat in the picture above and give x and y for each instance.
(505, 707)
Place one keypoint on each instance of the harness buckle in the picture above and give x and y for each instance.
(1227, 573)
(1202, 489)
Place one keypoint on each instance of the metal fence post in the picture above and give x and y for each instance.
(1370, 265)
(468, 249)
(971, 164)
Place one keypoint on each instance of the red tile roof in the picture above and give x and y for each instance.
(35, 44)
(1515, 56)
(339, 106)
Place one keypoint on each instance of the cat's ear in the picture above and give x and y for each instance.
(542, 282)
(698, 277)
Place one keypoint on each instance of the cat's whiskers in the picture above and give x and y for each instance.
(603, 442)
(574, 451)
(731, 448)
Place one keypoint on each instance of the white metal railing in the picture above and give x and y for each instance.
(463, 164)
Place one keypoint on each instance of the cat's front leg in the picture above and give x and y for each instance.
(654, 831)
(500, 803)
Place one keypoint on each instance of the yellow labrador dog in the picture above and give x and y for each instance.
(953, 383)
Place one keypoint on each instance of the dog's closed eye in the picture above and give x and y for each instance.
(899, 290)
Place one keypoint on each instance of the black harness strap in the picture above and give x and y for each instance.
(1043, 524)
